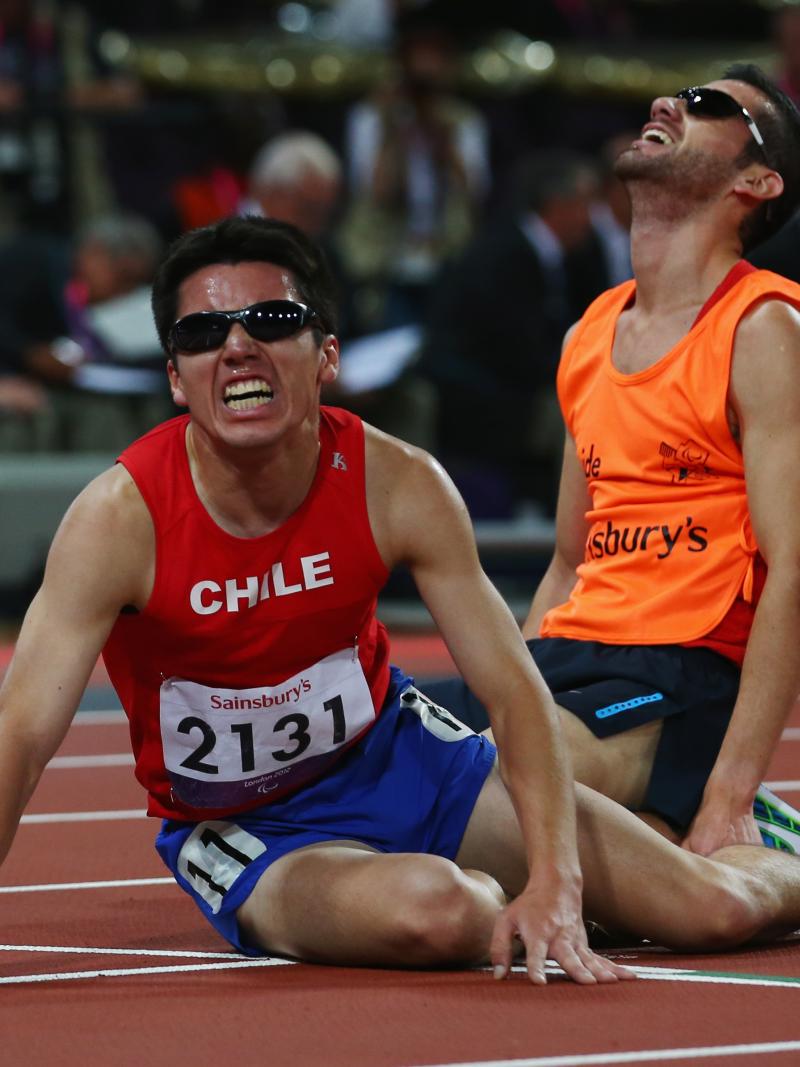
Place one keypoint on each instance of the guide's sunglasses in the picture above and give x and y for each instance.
(270, 320)
(715, 104)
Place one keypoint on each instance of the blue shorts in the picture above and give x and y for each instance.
(409, 786)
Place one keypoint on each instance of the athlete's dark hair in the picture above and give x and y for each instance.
(779, 122)
(241, 240)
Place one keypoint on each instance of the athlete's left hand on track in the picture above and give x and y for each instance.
(549, 924)
(717, 825)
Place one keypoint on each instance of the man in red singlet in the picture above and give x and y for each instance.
(314, 803)
(674, 654)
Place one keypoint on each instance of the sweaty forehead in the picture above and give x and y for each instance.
(229, 286)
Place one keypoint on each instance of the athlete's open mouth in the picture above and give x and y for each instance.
(657, 135)
(241, 396)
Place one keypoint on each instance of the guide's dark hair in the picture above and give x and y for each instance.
(249, 238)
(779, 122)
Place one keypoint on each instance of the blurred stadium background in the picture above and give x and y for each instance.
(425, 143)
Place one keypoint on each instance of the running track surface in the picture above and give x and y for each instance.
(127, 972)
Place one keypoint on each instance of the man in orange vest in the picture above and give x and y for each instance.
(675, 650)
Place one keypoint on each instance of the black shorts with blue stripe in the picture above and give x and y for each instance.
(614, 688)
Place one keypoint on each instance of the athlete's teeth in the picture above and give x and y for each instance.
(244, 403)
(253, 385)
(242, 396)
(658, 136)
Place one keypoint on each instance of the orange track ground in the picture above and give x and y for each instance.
(285, 1014)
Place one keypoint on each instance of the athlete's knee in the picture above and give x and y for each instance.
(734, 914)
(722, 908)
(443, 915)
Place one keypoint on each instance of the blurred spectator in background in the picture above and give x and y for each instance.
(204, 196)
(209, 178)
(611, 212)
(33, 267)
(417, 160)
(52, 171)
(23, 404)
(497, 321)
(297, 178)
(365, 22)
(81, 325)
(20, 395)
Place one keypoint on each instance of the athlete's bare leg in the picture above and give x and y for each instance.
(619, 767)
(343, 903)
(658, 824)
(637, 882)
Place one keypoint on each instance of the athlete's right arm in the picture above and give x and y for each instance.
(101, 559)
(571, 531)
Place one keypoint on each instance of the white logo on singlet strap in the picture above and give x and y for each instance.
(437, 720)
(339, 463)
(226, 747)
(311, 572)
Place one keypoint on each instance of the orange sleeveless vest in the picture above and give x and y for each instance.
(670, 545)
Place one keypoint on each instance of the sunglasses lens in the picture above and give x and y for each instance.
(711, 102)
(271, 320)
(714, 104)
(200, 333)
(274, 319)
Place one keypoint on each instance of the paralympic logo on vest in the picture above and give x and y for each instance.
(614, 539)
(206, 597)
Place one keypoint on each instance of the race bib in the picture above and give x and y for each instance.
(229, 747)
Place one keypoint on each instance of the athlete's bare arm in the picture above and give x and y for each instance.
(765, 396)
(572, 529)
(100, 560)
(420, 520)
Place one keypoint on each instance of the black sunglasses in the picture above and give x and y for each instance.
(715, 104)
(270, 320)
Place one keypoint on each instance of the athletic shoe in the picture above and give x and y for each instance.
(778, 821)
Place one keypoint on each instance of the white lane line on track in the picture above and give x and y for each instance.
(83, 816)
(642, 1056)
(664, 973)
(791, 733)
(119, 883)
(788, 786)
(88, 951)
(681, 974)
(69, 763)
(652, 974)
(125, 972)
(558, 1061)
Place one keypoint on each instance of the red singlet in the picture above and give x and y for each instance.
(241, 625)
